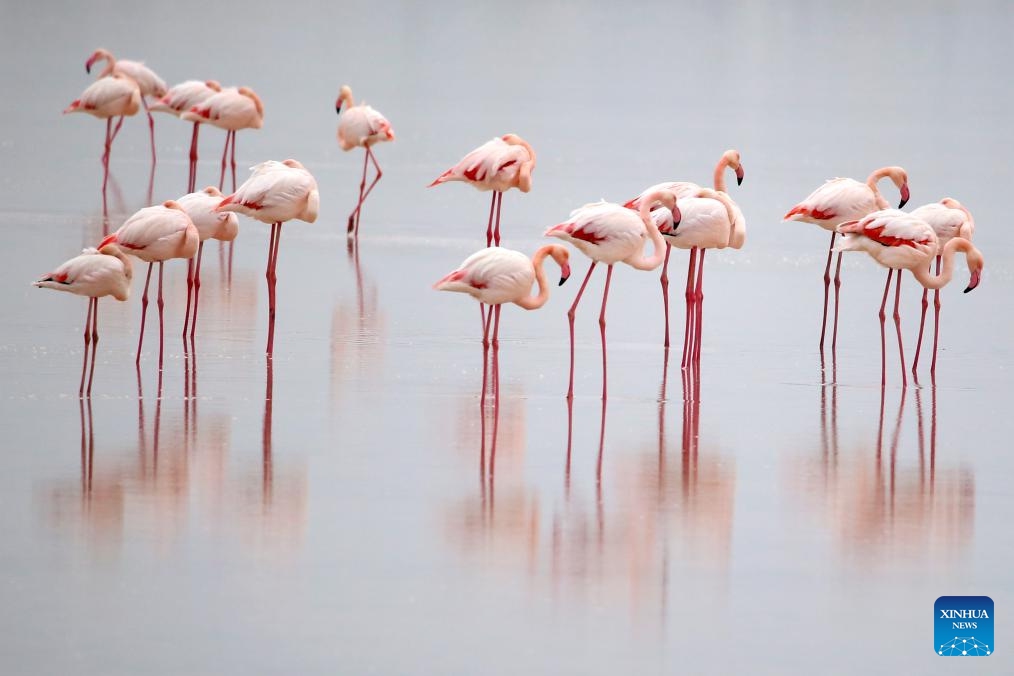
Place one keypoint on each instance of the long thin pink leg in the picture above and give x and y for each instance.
(353, 217)
(922, 326)
(489, 224)
(664, 280)
(197, 291)
(151, 127)
(688, 328)
(699, 303)
(496, 363)
(144, 313)
(95, 343)
(496, 226)
(570, 317)
(897, 324)
(87, 343)
(272, 279)
(225, 155)
(827, 284)
(161, 318)
(602, 327)
(192, 179)
(369, 188)
(936, 328)
(105, 159)
(485, 356)
(116, 129)
(837, 289)
(233, 159)
(883, 337)
(190, 297)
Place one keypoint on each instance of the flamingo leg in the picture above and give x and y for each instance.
(883, 338)
(233, 160)
(192, 178)
(369, 188)
(602, 327)
(116, 129)
(496, 228)
(489, 224)
(936, 328)
(161, 318)
(485, 355)
(105, 155)
(190, 297)
(837, 289)
(151, 127)
(87, 343)
(272, 279)
(354, 216)
(897, 324)
(144, 313)
(225, 155)
(197, 291)
(827, 284)
(496, 362)
(570, 318)
(664, 281)
(699, 303)
(688, 329)
(95, 344)
(922, 326)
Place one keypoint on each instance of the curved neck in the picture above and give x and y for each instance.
(719, 178)
(115, 252)
(639, 261)
(537, 301)
(933, 282)
(526, 168)
(872, 181)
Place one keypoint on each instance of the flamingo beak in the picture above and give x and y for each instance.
(338, 106)
(564, 273)
(739, 175)
(88, 63)
(904, 195)
(676, 216)
(974, 281)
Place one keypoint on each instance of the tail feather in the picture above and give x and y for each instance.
(109, 239)
(227, 201)
(632, 204)
(455, 276)
(799, 210)
(442, 178)
(73, 107)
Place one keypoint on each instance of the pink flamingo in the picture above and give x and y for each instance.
(154, 235)
(231, 109)
(837, 201)
(95, 273)
(210, 224)
(494, 276)
(710, 220)
(683, 189)
(498, 165)
(609, 233)
(949, 219)
(180, 99)
(360, 125)
(276, 192)
(106, 98)
(147, 81)
(898, 241)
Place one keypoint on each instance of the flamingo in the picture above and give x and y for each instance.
(95, 273)
(710, 220)
(683, 189)
(210, 224)
(231, 109)
(155, 235)
(610, 233)
(898, 241)
(147, 81)
(949, 219)
(106, 98)
(837, 201)
(180, 99)
(498, 165)
(276, 192)
(360, 125)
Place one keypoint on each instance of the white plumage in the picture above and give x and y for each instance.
(276, 192)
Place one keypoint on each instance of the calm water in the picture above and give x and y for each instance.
(359, 520)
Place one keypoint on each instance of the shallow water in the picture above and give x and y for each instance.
(360, 519)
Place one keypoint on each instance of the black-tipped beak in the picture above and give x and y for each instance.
(88, 68)
(904, 196)
(739, 175)
(338, 109)
(676, 217)
(973, 282)
(562, 280)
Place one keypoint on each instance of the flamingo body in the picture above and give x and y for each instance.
(149, 83)
(157, 234)
(362, 125)
(948, 218)
(893, 238)
(232, 109)
(186, 95)
(210, 224)
(499, 164)
(492, 276)
(94, 273)
(603, 231)
(110, 96)
(276, 192)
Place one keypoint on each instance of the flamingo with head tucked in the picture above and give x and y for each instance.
(95, 273)
(498, 165)
(610, 233)
(231, 109)
(360, 125)
(898, 241)
(180, 99)
(837, 201)
(147, 81)
(730, 159)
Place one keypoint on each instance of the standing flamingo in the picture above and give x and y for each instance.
(837, 201)
(231, 109)
(609, 233)
(154, 235)
(498, 165)
(683, 189)
(949, 219)
(180, 99)
(210, 224)
(710, 220)
(897, 241)
(95, 273)
(276, 192)
(147, 81)
(106, 98)
(360, 125)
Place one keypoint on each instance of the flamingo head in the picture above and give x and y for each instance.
(731, 157)
(344, 99)
(562, 258)
(975, 265)
(905, 195)
(97, 55)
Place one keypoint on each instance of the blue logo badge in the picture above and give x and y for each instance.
(963, 626)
